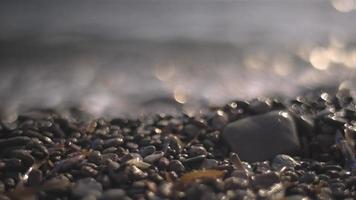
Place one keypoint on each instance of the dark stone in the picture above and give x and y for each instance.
(153, 157)
(114, 194)
(210, 164)
(35, 177)
(113, 142)
(265, 180)
(58, 184)
(14, 141)
(87, 186)
(308, 177)
(177, 166)
(147, 150)
(165, 189)
(234, 183)
(68, 163)
(194, 161)
(196, 150)
(282, 160)
(163, 163)
(262, 137)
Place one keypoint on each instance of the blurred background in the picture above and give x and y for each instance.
(117, 57)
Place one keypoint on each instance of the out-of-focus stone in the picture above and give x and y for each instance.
(261, 137)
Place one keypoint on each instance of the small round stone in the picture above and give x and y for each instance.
(114, 194)
(196, 150)
(177, 166)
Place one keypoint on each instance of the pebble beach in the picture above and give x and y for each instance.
(222, 153)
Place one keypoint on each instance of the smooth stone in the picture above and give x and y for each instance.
(153, 157)
(234, 183)
(113, 142)
(194, 160)
(58, 184)
(176, 165)
(297, 197)
(35, 177)
(210, 164)
(265, 180)
(114, 194)
(262, 137)
(87, 186)
(196, 150)
(147, 150)
(282, 160)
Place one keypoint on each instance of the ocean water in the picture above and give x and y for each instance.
(133, 57)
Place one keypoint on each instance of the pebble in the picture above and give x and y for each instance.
(163, 163)
(114, 194)
(196, 150)
(14, 141)
(266, 135)
(87, 187)
(58, 184)
(234, 183)
(265, 180)
(308, 177)
(154, 157)
(194, 162)
(135, 173)
(177, 166)
(35, 177)
(281, 160)
(68, 163)
(210, 164)
(161, 157)
(113, 142)
(147, 150)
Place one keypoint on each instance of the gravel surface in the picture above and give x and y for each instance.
(66, 154)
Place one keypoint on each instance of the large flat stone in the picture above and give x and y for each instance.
(262, 137)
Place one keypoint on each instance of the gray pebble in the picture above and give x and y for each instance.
(147, 150)
(114, 194)
(197, 150)
(153, 157)
(265, 180)
(35, 177)
(210, 164)
(58, 184)
(177, 166)
(266, 135)
(282, 160)
(87, 186)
